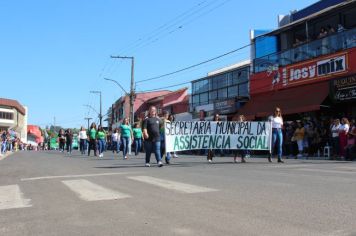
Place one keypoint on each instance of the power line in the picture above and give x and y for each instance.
(171, 86)
(195, 65)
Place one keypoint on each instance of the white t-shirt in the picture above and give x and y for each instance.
(277, 122)
(335, 130)
(344, 127)
(82, 135)
(115, 137)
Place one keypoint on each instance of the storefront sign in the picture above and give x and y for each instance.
(344, 89)
(322, 68)
(225, 107)
(190, 135)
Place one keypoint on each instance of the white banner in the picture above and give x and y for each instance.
(190, 135)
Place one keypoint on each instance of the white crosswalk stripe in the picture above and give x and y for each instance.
(12, 197)
(89, 191)
(172, 185)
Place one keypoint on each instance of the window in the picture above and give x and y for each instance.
(6, 115)
(222, 93)
(233, 91)
(243, 90)
(204, 98)
(213, 95)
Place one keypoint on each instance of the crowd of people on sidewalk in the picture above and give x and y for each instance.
(10, 142)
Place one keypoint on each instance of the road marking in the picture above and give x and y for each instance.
(89, 191)
(75, 176)
(328, 171)
(172, 185)
(12, 197)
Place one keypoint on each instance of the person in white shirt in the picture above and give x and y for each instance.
(82, 140)
(277, 135)
(343, 131)
(335, 137)
(115, 138)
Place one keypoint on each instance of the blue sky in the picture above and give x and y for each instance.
(52, 53)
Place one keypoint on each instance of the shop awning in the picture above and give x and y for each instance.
(293, 100)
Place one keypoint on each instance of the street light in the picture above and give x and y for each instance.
(118, 84)
(100, 114)
(132, 87)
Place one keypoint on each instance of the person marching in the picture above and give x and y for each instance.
(137, 133)
(92, 139)
(211, 152)
(62, 140)
(82, 140)
(277, 135)
(101, 136)
(126, 135)
(115, 140)
(152, 136)
(69, 141)
(163, 141)
(240, 152)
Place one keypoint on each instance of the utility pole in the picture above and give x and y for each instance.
(88, 118)
(132, 87)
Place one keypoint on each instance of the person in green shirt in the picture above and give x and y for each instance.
(137, 133)
(92, 139)
(126, 135)
(101, 136)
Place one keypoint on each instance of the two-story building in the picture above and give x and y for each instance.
(222, 91)
(306, 67)
(13, 116)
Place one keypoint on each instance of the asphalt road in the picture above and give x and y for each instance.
(48, 193)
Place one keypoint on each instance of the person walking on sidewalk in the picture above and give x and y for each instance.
(101, 137)
(277, 135)
(152, 137)
(137, 133)
(126, 135)
(92, 139)
(82, 140)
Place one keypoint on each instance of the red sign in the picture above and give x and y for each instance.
(311, 71)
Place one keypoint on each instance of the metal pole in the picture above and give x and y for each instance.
(132, 91)
(101, 116)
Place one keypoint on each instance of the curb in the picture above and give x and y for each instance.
(2, 157)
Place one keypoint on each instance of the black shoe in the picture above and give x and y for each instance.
(280, 161)
(269, 159)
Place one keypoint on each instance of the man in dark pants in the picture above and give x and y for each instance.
(152, 136)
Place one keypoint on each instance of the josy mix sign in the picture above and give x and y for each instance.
(190, 135)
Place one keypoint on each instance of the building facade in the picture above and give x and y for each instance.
(222, 91)
(311, 71)
(13, 116)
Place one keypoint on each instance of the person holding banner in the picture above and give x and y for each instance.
(240, 152)
(211, 152)
(151, 135)
(277, 135)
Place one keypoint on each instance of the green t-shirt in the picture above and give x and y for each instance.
(137, 132)
(125, 131)
(92, 133)
(101, 135)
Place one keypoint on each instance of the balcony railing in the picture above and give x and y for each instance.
(323, 46)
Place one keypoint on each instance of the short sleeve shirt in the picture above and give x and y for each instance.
(126, 131)
(152, 125)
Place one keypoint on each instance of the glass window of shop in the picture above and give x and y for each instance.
(219, 87)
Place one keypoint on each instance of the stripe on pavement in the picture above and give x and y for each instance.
(12, 197)
(89, 191)
(172, 185)
(74, 176)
